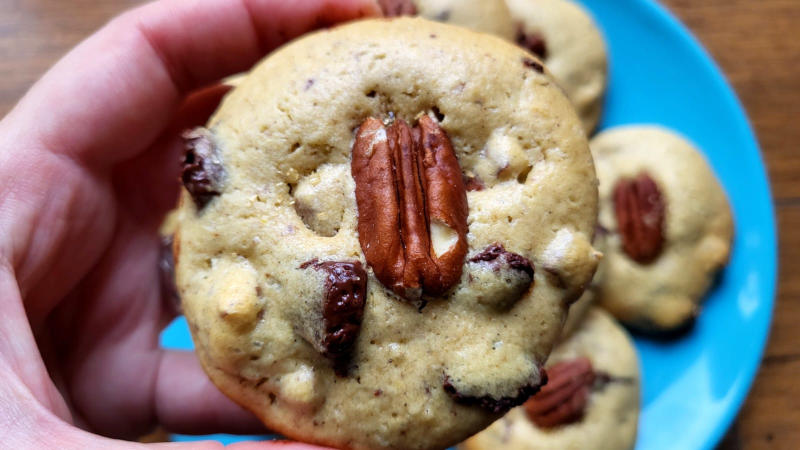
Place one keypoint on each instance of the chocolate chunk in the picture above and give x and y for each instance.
(498, 279)
(498, 257)
(534, 42)
(396, 8)
(166, 269)
(489, 403)
(202, 169)
(533, 64)
(342, 309)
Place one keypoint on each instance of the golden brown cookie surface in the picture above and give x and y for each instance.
(277, 282)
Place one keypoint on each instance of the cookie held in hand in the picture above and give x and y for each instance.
(363, 271)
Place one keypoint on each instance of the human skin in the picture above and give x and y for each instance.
(88, 168)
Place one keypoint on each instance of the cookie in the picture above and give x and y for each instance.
(667, 227)
(591, 399)
(380, 231)
(566, 38)
(487, 16)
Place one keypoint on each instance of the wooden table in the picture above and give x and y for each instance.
(757, 44)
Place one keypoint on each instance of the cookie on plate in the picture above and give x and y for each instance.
(590, 401)
(668, 227)
(487, 16)
(565, 37)
(380, 232)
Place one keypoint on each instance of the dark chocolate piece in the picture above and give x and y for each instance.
(495, 405)
(342, 309)
(534, 42)
(202, 173)
(533, 64)
(497, 256)
(396, 8)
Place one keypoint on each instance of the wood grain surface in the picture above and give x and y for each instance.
(757, 43)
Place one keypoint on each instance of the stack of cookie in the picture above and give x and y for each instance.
(384, 225)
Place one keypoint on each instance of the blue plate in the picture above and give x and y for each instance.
(694, 386)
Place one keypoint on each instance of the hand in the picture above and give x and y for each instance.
(88, 168)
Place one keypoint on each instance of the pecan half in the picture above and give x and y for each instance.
(342, 310)
(202, 169)
(412, 206)
(563, 399)
(534, 42)
(640, 210)
(395, 8)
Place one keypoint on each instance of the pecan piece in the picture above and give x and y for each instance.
(563, 399)
(342, 310)
(640, 211)
(202, 169)
(412, 206)
(395, 8)
(534, 42)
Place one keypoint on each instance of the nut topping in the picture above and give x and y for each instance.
(640, 211)
(202, 169)
(563, 399)
(342, 310)
(412, 206)
(395, 8)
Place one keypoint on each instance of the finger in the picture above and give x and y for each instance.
(187, 402)
(111, 97)
(148, 184)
